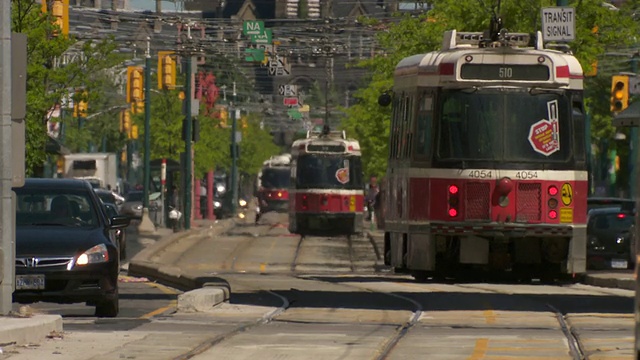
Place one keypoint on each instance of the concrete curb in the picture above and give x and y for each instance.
(28, 330)
(628, 284)
(201, 293)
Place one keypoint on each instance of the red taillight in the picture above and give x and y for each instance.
(446, 68)
(553, 191)
(562, 71)
(621, 216)
(305, 205)
(453, 200)
(553, 214)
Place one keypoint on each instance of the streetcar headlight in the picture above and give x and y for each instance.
(217, 204)
(221, 188)
(242, 202)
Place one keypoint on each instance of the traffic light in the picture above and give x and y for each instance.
(134, 132)
(166, 70)
(80, 105)
(125, 123)
(245, 122)
(134, 84)
(224, 116)
(619, 92)
(60, 12)
(137, 107)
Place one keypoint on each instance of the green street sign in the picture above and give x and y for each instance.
(252, 55)
(264, 38)
(253, 27)
(294, 114)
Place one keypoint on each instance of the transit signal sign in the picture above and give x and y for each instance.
(558, 23)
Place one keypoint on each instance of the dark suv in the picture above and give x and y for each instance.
(609, 245)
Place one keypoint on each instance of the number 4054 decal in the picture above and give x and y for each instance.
(527, 175)
(481, 174)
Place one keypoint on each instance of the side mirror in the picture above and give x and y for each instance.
(120, 221)
(384, 99)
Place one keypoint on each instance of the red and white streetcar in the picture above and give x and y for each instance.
(327, 192)
(273, 184)
(487, 166)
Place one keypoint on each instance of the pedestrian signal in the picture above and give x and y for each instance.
(619, 93)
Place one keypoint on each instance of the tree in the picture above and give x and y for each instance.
(48, 81)
(423, 33)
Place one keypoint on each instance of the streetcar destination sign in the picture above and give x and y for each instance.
(558, 24)
(504, 72)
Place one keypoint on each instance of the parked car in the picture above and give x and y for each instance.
(132, 205)
(626, 205)
(109, 196)
(609, 244)
(112, 211)
(66, 251)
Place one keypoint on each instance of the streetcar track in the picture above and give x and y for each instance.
(576, 349)
(296, 254)
(351, 253)
(266, 319)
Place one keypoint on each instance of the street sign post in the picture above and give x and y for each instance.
(558, 23)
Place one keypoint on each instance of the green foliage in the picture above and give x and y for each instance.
(415, 35)
(256, 146)
(47, 81)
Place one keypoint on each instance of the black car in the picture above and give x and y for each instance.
(66, 250)
(609, 245)
(107, 196)
(626, 205)
(112, 211)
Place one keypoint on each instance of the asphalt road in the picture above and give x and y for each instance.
(330, 298)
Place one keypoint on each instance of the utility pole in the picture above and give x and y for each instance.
(633, 142)
(7, 233)
(146, 225)
(234, 153)
(188, 175)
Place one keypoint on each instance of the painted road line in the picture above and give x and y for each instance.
(480, 349)
(172, 304)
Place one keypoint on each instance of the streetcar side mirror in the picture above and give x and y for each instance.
(384, 99)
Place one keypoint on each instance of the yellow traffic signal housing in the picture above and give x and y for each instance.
(619, 92)
(166, 70)
(125, 122)
(80, 106)
(134, 84)
(134, 131)
(60, 12)
(224, 116)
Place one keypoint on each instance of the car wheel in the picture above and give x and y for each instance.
(109, 306)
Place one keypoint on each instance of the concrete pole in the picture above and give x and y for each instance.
(234, 154)
(7, 252)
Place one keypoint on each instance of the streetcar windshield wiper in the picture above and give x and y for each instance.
(540, 91)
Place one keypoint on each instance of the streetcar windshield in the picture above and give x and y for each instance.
(277, 178)
(505, 125)
(329, 171)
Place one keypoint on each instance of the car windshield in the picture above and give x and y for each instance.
(106, 197)
(275, 177)
(111, 210)
(134, 196)
(611, 222)
(55, 207)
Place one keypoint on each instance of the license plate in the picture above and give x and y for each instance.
(29, 282)
(619, 264)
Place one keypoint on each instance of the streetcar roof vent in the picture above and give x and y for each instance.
(278, 160)
(332, 134)
(453, 39)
